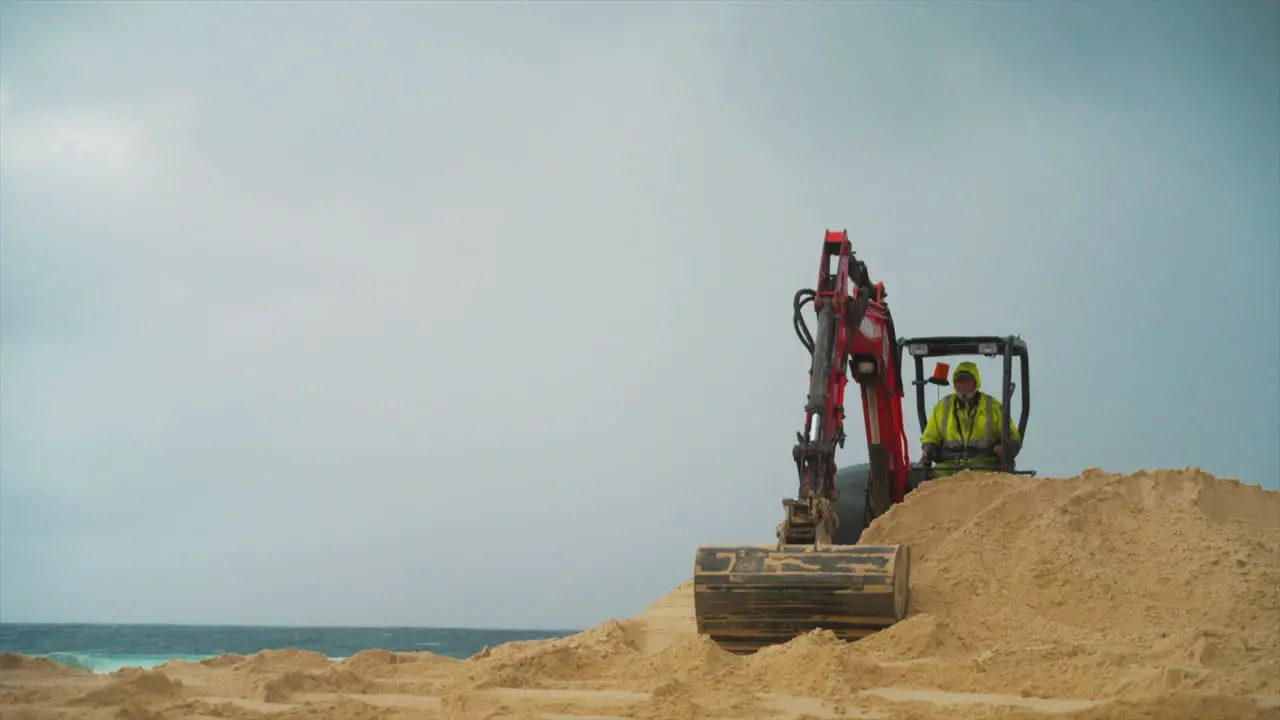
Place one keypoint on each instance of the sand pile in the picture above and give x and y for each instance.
(283, 687)
(817, 665)
(588, 655)
(224, 660)
(133, 686)
(1092, 575)
(15, 662)
(1152, 595)
(278, 660)
(400, 668)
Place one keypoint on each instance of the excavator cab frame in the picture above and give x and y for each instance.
(1008, 348)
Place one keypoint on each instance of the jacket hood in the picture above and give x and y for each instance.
(970, 368)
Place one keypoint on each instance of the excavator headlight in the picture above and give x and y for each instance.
(918, 349)
(987, 348)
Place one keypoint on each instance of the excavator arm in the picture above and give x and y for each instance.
(876, 360)
(749, 596)
(855, 330)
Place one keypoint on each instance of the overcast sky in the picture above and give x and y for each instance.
(445, 314)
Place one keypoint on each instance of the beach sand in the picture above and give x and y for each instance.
(1152, 595)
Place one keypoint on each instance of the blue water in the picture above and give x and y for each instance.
(107, 648)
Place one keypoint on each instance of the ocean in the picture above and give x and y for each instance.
(107, 648)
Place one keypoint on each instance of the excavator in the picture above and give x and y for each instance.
(816, 575)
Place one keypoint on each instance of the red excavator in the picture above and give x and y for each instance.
(816, 575)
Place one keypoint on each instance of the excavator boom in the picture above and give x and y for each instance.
(750, 596)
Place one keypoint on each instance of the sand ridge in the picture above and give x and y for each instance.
(1146, 595)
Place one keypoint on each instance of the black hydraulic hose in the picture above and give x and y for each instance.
(893, 336)
(802, 296)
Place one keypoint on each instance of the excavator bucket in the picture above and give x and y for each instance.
(747, 597)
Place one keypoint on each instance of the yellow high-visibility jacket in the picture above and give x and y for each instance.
(976, 428)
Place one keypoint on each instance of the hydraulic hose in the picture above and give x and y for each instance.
(802, 296)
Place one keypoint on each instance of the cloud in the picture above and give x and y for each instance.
(464, 305)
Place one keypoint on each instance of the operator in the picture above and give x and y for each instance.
(969, 422)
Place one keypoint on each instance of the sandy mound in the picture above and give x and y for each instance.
(275, 676)
(131, 686)
(1152, 595)
(387, 664)
(695, 661)
(1092, 573)
(283, 687)
(15, 662)
(587, 655)
(816, 665)
(677, 700)
(269, 660)
(223, 660)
